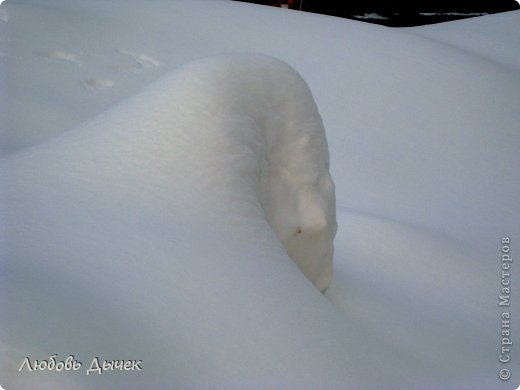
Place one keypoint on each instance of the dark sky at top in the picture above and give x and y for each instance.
(419, 5)
(401, 12)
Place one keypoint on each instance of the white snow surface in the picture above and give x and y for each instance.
(131, 218)
(495, 37)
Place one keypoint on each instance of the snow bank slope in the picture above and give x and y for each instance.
(158, 206)
(494, 37)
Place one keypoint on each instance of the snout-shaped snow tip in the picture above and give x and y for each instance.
(312, 250)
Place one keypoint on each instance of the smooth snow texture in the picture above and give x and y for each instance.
(495, 37)
(423, 140)
(228, 139)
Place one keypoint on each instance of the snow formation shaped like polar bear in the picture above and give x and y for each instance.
(259, 124)
(274, 120)
(234, 137)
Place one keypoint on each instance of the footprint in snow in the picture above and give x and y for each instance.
(97, 84)
(140, 61)
(60, 55)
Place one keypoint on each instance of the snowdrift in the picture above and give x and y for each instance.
(128, 255)
(235, 142)
(494, 37)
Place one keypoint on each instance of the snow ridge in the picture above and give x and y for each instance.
(164, 200)
(235, 136)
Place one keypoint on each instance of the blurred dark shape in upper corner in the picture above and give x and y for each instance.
(397, 13)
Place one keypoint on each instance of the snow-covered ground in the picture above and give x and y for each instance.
(130, 228)
(495, 37)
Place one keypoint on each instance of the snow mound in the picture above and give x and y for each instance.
(261, 125)
(201, 159)
(250, 124)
